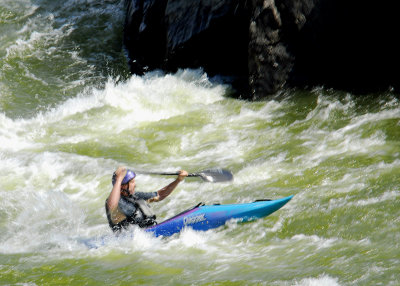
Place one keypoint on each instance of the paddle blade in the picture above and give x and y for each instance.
(215, 175)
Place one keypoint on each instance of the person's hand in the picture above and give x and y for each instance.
(182, 175)
(121, 172)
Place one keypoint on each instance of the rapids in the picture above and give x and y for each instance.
(70, 114)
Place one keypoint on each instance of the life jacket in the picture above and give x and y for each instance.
(136, 210)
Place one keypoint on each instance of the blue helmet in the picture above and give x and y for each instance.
(129, 176)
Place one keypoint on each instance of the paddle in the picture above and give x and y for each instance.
(216, 175)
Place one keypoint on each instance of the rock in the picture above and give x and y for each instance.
(348, 45)
(168, 35)
(263, 46)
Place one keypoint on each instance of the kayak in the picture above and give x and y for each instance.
(201, 218)
(205, 217)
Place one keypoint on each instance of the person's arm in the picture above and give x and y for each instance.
(115, 194)
(167, 190)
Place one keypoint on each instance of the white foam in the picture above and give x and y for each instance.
(316, 241)
(116, 108)
(11, 135)
(44, 221)
(322, 280)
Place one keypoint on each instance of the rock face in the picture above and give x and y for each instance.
(273, 30)
(265, 45)
(167, 35)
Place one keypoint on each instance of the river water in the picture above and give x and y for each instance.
(70, 114)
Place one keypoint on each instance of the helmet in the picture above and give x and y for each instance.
(129, 176)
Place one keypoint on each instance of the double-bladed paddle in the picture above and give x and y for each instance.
(216, 175)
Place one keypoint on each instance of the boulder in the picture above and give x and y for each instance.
(208, 34)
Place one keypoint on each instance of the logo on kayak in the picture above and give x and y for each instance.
(194, 219)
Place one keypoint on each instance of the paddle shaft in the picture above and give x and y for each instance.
(212, 175)
(175, 174)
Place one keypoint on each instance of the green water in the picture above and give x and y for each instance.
(70, 114)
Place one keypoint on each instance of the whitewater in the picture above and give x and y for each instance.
(71, 113)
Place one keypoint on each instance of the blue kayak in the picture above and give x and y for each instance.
(202, 218)
(205, 217)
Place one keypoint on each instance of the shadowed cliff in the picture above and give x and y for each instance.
(263, 46)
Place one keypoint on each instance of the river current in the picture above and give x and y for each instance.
(70, 114)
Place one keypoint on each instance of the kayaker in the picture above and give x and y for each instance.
(124, 206)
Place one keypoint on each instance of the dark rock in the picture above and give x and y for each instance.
(266, 45)
(167, 35)
(348, 45)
